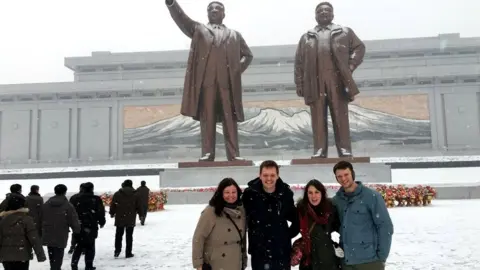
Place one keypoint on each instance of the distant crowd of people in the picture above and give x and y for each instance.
(266, 207)
(27, 224)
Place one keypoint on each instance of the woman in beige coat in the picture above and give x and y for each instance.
(219, 239)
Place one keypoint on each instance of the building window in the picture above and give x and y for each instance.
(379, 56)
(447, 81)
(425, 82)
(412, 55)
(269, 63)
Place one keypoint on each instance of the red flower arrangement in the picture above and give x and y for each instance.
(394, 196)
(156, 200)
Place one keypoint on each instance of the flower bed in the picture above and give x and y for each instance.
(394, 195)
(156, 200)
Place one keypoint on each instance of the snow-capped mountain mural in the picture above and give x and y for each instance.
(286, 128)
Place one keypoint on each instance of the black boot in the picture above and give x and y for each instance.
(116, 254)
(130, 255)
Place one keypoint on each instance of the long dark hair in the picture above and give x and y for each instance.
(325, 204)
(217, 200)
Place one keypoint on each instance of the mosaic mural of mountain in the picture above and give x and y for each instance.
(286, 129)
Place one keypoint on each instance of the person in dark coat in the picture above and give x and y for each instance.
(318, 218)
(91, 214)
(124, 208)
(58, 217)
(269, 204)
(34, 203)
(15, 190)
(18, 236)
(73, 200)
(143, 193)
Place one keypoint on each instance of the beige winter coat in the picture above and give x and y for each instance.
(217, 242)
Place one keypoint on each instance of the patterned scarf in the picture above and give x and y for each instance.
(321, 219)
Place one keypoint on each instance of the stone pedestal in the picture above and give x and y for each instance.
(210, 164)
(332, 161)
(292, 174)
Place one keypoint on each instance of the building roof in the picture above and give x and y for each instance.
(265, 53)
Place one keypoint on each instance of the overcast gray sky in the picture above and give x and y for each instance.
(37, 35)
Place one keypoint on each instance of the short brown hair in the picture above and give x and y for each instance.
(269, 164)
(342, 165)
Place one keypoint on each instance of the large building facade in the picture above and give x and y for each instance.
(418, 97)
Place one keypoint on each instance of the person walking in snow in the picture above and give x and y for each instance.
(58, 217)
(18, 236)
(366, 228)
(219, 238)
(91, 214)
(73, 201)
(143, 193)
(34, 203)
(15, 190)
(124, 208)
(269, 204)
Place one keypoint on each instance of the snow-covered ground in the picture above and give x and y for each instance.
(443, 236)
(103, 184)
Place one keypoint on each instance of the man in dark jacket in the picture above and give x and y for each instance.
(143, 193)
(269, 204)
(91, 214)
(124, 208)
(58, 216)
(34, 204)
(15, 190)
(73, 200)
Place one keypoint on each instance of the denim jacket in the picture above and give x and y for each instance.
(366, 228)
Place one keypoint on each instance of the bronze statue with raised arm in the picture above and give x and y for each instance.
(213, 80)
(325, 59)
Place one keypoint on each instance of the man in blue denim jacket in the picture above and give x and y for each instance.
(366, 228)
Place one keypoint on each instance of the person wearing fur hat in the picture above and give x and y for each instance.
(18, 236)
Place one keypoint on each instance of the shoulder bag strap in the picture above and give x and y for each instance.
(238, 230)
(311, 228)
(242, 246)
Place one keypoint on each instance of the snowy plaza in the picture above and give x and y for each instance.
(444, 235)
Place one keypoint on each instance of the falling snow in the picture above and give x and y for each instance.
(446, 235)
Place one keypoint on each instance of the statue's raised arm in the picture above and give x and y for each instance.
(184, 22)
